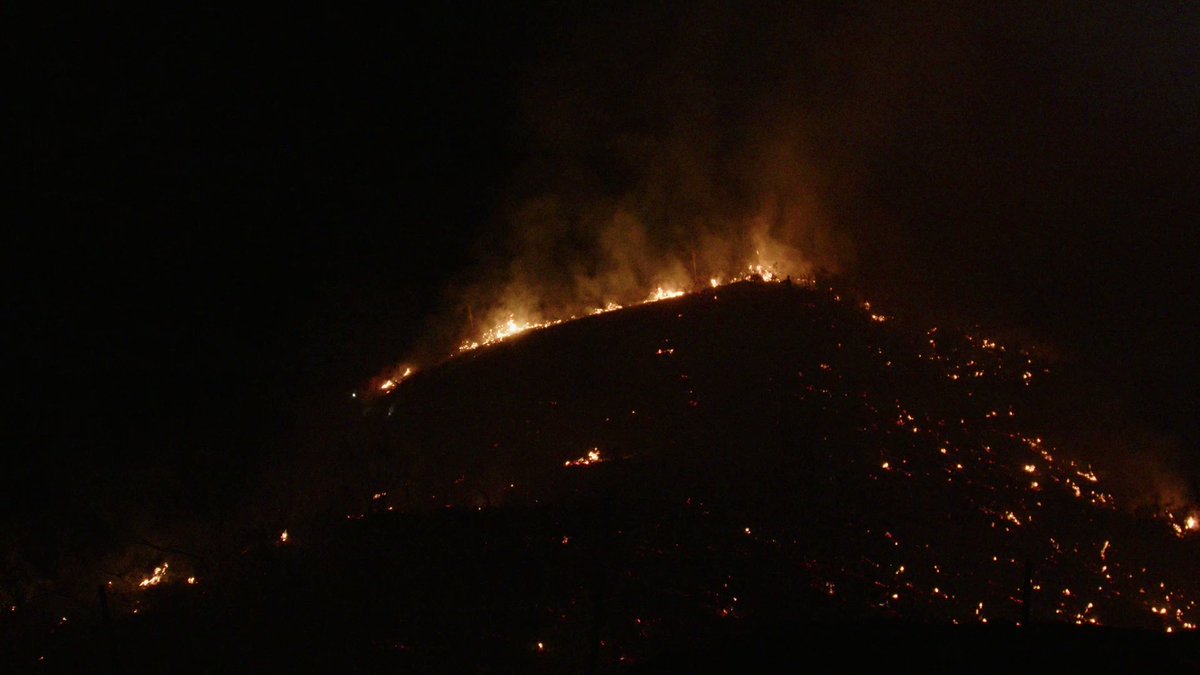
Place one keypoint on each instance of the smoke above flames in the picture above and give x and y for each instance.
(568, 263)
(661, 147)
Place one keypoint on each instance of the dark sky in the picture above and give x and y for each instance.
(236, 217)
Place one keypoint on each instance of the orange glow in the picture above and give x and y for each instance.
(1048, 480)
(395, 379)
(506, 329)
(592, 457)
(608, 307)
(661, 293)
(160, 573)
(513, 325)
(764, 272)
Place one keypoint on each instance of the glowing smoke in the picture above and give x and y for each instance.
(656, 153)
(662, 146)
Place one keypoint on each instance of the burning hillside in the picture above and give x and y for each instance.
(632, 485)
(890, 464)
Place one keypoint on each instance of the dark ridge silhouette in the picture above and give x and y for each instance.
(762, 470)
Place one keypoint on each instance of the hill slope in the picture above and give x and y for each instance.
(892, 461)
(760, 466)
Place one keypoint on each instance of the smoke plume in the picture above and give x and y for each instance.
(916, 152)
(665, 147)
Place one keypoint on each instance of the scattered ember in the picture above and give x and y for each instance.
(1089, 558)
(592, 457)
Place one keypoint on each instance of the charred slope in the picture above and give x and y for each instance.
(759, 469)
(892, 465)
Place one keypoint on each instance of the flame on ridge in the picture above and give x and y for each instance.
(511, 325)
(1077, 479)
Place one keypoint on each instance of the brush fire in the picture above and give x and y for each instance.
(882, 471)
(1009, 499)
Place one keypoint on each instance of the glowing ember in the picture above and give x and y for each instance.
(661, 293)
(511, 326)
(283, 537)
(608, 307)
(592, 457)
(761, 273)
(507, 329)
(160, 573)
(391, 382)
(1019, 510)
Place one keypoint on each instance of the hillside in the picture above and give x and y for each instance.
(758, 466)
(894, 459)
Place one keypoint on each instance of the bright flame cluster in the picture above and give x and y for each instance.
(391, 382)
(969, 361)
(160, 573)
(511, 326)
(592, 457)
(1190, 524)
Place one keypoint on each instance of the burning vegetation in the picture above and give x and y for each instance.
(747, 453)
(888, 466)
(512, 326)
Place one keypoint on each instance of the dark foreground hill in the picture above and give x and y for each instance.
(749, 472)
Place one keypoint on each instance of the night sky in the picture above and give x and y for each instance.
(236, 218)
